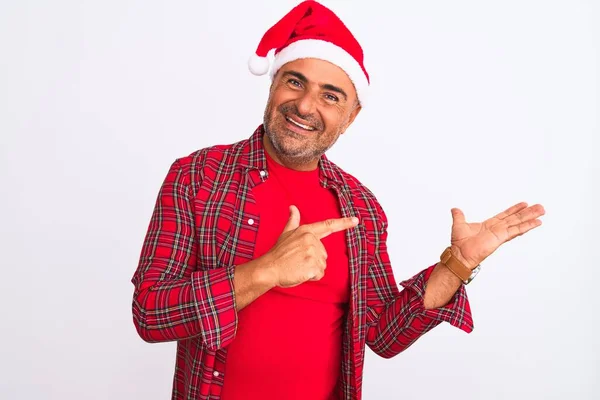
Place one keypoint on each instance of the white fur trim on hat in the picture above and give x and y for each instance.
(327, 51)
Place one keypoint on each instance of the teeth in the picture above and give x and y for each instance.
(308, 128)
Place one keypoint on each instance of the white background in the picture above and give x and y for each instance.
(474, 104)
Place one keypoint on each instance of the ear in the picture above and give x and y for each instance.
(352, 116)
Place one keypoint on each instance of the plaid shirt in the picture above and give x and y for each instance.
(205, 223)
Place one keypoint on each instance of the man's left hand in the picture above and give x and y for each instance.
(472, 243)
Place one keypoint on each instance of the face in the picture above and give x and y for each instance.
(311, 103)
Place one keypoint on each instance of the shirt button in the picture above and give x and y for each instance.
(250, 221)
(263, 173)
(216, 374)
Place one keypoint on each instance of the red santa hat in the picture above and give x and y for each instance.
(311, 30)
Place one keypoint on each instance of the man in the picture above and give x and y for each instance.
(268, 263)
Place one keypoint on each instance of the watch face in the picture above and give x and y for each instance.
(474, 273)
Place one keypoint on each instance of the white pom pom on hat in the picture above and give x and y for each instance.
(311, 30)
(258, 65)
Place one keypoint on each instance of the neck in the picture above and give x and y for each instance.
(287, 161)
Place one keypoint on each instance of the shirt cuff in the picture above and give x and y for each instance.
(457, 312)
(214, 296)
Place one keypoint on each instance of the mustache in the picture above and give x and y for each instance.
(311, 119)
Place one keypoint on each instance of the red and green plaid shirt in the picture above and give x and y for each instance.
(205, 223)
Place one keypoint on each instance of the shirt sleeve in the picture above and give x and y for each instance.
(173, 299)
(396, 319)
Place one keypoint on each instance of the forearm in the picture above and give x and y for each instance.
(399, 325)
(165, 310)
(399, 321)
(251, 280)
(178, 308)
(441, 287)
(396, 319)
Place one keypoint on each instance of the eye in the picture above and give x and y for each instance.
(295, 82)
(332, 98)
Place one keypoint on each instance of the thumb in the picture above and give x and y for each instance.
(293, 221)
(457, 216)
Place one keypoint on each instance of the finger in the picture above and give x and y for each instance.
(457, 216)
(319, 246)
(318, 271)
(325, 228)
(294, 219)
(525, 215)
(316, 275)
(511, 210)
(323, 261)
(518, 230)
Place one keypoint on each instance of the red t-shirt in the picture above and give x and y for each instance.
(288, 343)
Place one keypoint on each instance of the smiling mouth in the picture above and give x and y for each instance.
(299, 125)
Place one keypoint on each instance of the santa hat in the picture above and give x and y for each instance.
(311, 30)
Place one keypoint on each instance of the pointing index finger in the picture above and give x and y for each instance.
(325, 228)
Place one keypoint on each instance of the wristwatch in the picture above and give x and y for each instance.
(463, 273)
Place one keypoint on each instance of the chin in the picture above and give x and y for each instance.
(282, 143)
(286, 146)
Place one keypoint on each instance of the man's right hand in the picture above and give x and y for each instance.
(299, 255)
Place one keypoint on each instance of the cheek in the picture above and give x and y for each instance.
(281, 95)
(333, 120)
(272, 108)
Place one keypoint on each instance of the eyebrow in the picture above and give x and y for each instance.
(326, 86)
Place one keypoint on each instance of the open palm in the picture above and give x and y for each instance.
(474, 242)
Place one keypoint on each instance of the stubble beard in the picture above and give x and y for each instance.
(304, 151)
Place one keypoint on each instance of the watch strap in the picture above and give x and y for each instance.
(463, 273)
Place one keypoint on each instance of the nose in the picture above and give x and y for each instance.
(306, 103)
